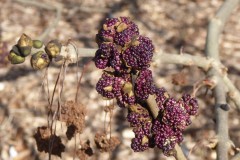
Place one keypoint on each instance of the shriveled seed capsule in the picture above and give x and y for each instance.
(14, 58)
(25, 44)
(37, 44)
(40, 60)
(53, 48)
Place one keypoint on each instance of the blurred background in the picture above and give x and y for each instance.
(171, 24)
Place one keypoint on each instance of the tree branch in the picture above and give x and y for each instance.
(212, 50)
(206, 63)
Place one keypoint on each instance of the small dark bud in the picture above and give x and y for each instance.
(225, 107)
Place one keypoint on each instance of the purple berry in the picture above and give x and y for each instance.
(144, 84)
(139, 55)
(104, 54)
(107, 32)
(100, 62)
(165, 137)
(125, 32)
(105, 85)
(125, 95)
(174, 115)
(140, 144)
(161, 97)
(141, 121)
(190, 104)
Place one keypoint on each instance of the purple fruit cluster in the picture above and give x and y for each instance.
(173, 118)
(121, 47)
(125, 56)
(141, 121)
(164, 131)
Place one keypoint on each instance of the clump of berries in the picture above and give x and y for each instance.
(121, 47)
(125, 56)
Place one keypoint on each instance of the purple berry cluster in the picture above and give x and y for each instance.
(141, 121)
(125, 56)
(173, 118)
(121, 47)
(165, 130)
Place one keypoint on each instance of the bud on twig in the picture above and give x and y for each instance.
(15, 58)
(25, 44)
(40, 60)
(37, 44)
(53, 48)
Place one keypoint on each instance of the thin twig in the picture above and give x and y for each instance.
(79, 81)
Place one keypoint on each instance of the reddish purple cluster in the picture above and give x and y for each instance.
(141, 121)
(105, 85)
(165, 131)
(117, 30)
(165, 137)
(144, 85)
(139, 54)
(172, 119)
(125, 56)
(121, 47)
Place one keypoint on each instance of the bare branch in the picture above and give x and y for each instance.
(189, 60)
(212, 50)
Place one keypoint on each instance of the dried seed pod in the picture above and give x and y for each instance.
(25, 44)
(15, 58)
(40, 60)
(53, 48)
(37, 44)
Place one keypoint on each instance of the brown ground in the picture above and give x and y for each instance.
(171, 24)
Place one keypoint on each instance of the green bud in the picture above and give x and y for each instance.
(40, 60)
(53, 48)
(14, 58)
(37, 44)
